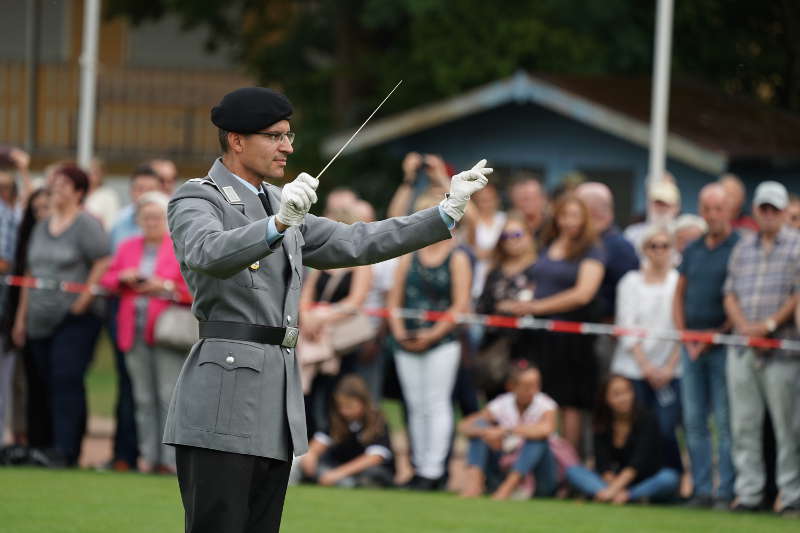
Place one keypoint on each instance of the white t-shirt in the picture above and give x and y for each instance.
(104, 204)
(504, 409)
(486, 236)
(382, 281)
(644, 305)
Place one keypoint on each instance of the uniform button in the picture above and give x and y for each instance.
(289, 318)
(290, 257)
(229, 359)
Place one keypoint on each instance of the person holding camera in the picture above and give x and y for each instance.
(422, 174)
(146, 274)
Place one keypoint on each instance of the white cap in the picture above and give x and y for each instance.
(665, 191)
(772, 193)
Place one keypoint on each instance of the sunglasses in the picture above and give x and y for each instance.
(658, 246)
(511, 235)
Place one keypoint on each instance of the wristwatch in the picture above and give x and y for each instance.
(169, 285)
(770, 325)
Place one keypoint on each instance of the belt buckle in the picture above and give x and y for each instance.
(290, 337)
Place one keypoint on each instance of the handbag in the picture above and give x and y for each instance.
(348, 333)
(351, 332)
(176, 328)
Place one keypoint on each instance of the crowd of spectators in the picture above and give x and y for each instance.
(70, 228)
(543, 413)
(592, 416)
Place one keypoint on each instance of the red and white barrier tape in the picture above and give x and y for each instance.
(591, 328)
(72, 286)
(498, 321)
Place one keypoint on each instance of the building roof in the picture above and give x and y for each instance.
(707, 129)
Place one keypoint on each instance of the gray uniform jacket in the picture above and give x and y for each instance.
(246, 397)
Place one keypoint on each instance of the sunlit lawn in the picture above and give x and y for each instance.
(88, 502)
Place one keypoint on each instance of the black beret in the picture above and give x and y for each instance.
(250, 109)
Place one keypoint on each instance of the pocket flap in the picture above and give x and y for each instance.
(231, 354)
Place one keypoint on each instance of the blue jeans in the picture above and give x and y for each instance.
(534, 457)
(665, 404)
(659, 487)
(704, 391)
(63, 359)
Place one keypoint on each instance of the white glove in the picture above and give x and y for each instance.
(297, 197)
(462, 186)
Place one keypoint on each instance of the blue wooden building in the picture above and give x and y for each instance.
(599, 126)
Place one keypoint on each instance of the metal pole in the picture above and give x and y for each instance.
(660, 91)
(32, 31)
(88, 64)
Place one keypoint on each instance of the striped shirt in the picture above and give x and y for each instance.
(763, 281)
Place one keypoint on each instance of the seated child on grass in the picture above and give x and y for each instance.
(519, 421)
(629, 465)
(355, 451)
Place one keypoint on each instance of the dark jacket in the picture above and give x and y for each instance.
(642, 449)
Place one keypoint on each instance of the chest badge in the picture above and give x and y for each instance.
(255, 266)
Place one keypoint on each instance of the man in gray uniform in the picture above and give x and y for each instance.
(237, 414)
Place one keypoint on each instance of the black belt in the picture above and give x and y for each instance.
(237, 331)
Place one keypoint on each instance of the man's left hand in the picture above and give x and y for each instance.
(463, 185)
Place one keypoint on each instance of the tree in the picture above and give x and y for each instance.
(336, 58)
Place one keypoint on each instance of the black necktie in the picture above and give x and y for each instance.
(265, 203)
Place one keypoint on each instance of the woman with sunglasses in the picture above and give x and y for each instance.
(644, 300)
(510, 278)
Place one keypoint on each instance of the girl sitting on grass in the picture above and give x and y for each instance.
(627, 447)
(521, 420)
(355, 451)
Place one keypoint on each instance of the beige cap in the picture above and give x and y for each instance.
(665, 191)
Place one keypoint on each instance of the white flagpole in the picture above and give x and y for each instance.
(660, 91)
(88, 65)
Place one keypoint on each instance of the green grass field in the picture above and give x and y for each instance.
(91, 502)
(101, 381)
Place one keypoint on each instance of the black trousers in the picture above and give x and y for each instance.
(61, 361)
(229, 492)
(126, 442)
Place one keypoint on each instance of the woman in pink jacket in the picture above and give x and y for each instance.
(147, 277)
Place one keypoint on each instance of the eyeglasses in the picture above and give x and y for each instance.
(278, 137)
(511, 235)
(658, 246)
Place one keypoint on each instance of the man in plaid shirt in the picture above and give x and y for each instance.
(761, 292)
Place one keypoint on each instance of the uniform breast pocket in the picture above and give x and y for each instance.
(226, 387)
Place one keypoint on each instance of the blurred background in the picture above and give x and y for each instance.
(551, 87)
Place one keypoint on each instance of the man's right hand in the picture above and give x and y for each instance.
(297, 198)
